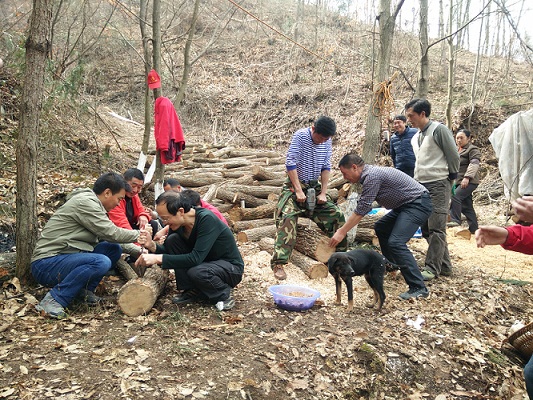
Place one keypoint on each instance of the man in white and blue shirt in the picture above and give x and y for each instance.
(308, 165)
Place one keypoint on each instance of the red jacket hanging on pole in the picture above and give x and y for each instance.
(168, 133)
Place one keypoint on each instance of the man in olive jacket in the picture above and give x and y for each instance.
(79, 244)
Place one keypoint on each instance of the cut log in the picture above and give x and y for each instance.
(246, 180)
(235, 174)
(237, 197)
(253, 152)
(368, 221)
(271, 182)
(336, 181)
(245, 214)
(224, 152)
(254, 234)
(249, 201)
(210, 194)
(263, 174)
(203, 179)
(253, 190)
(366, 235)
(138, 295)
(239, 226)
(313, 243)
(312, 268)
(125, 270)
(266, 244)
(344, 190)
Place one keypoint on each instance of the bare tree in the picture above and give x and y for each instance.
(422, 87)
(77, 42)
(451, 61)
(378, 104)
(37, 51)
(146, 41)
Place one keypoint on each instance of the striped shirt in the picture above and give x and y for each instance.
(308, 158)
(390, 187)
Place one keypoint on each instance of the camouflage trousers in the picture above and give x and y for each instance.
(327, 216)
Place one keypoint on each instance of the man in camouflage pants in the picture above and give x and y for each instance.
(308, 165)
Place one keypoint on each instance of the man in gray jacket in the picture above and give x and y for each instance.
(79, 244)
(436, 167)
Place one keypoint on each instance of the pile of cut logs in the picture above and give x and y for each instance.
(244, 184)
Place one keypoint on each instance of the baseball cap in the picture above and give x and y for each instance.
(154, 81)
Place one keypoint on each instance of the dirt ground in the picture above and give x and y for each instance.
(257, 351)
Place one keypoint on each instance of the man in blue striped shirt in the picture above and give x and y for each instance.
(308, 166)
(410, 207)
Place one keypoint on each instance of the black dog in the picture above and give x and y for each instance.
(371, 264)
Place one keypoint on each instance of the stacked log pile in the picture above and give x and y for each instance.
(244, 184)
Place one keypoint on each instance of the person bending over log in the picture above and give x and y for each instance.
(199, 248)
(516, 238)
(79, 244)
(410, 206)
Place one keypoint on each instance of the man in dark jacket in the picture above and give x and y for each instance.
(401, 150)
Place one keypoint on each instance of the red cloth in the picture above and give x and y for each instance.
(520, 239)
(118, 214)
(168, 133)
(214, 210)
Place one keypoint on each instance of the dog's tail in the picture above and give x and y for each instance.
(390, 266)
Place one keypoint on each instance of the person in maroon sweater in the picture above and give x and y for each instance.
(516, 238)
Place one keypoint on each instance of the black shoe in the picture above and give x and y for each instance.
(225, 305)
(188, 296)
(89, 298)
(415, 294)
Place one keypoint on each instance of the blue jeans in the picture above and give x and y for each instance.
(67, 274)
(528, 376)
(395, 229)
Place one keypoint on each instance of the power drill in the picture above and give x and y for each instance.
(311, 201)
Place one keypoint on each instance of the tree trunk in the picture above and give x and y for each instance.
(147, 66)
(255, 234)
(381, 104)
(37, 51)
(451, 59)
(422, 88)
(138, 296)
(187, 56)
(159, 175)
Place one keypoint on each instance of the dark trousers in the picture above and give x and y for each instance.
(462, 203)
(214, 279)
(434, 230)
(395, 229)
(528, 376)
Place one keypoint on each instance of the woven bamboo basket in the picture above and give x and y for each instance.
(522, 340)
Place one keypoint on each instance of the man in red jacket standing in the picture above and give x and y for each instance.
(130, 213)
